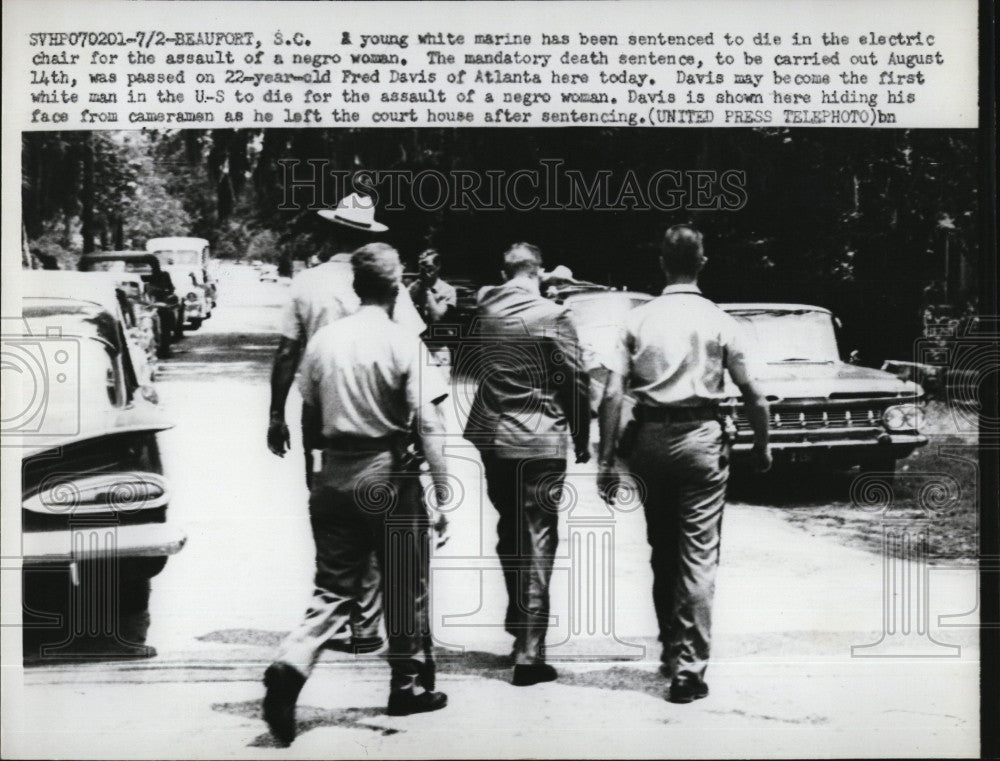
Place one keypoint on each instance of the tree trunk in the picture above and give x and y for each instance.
(87, 215)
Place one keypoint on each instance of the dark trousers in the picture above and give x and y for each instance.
(683, 469)
(360, 504)
(526, 494)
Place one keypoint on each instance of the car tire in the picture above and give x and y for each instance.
(883, 466)
(52, 603)
(179, 327)
(195, 323)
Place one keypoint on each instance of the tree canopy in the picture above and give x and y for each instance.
(866, 222)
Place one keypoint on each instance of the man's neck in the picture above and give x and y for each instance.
(527, 282)
(382, 306)
(681, 280)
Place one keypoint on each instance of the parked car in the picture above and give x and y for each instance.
(141, 319)
(193, 253)
(599, 316)
(158, 286)
(197, 306)
(823, 410)
(268, 273)
(94, 497)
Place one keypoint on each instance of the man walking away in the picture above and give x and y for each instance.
(673, 355)
(319, 296)
(533, 393)
(363, 383)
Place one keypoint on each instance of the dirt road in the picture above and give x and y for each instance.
(789, 676)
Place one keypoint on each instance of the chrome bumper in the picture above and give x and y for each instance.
(820, 439)
(151, 540)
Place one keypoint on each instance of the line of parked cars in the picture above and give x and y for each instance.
(95, 499)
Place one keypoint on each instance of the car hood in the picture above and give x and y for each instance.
(792, 380)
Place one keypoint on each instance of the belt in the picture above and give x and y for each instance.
(668, 415)
(351, 443)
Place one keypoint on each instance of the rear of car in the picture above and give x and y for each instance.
(187, 260)
(93, 494)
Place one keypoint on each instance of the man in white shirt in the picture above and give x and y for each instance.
(321, 295)
(364, 382)
(672, 355)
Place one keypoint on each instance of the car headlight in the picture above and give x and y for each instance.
(191, 297)
(903, 417)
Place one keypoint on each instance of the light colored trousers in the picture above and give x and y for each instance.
(361, 503)
(683, 469)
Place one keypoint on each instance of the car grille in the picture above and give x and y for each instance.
(789, 418)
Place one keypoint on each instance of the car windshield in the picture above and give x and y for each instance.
(790, 336)
(174, 258)
(103, 266)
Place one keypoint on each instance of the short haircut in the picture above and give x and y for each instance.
(522, 259)
(376, 272)
(682, 251)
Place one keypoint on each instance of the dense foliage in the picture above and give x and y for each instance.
(875, 224)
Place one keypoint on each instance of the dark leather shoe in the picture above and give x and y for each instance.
(528, 674)
(283, 685)
(404, 702)
(686, 690)
(357, 646)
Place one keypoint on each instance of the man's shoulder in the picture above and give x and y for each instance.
(531, 308)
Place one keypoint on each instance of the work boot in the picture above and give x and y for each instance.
(405, 702)
(283, 685)
(527, 674)
(686, 689)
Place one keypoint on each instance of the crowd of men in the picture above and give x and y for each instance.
(372, 410)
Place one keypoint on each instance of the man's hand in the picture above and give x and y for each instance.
(762, 458)
(278, 440)
(609, 482)
(441, 531)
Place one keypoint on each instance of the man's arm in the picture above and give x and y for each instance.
(758, 413)
(574, 390)
(439, 305)
(609, 417)
(431, 430)
(741, 370)
(312, 427)
(286, 362)
(609, 420)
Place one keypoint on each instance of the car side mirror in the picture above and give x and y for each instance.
(854, 358)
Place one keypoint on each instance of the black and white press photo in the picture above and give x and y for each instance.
(552, 276)
(655, 421)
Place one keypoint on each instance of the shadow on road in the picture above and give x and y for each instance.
(491, 666)
(790, 487)
(307, 718)
(214, 356)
